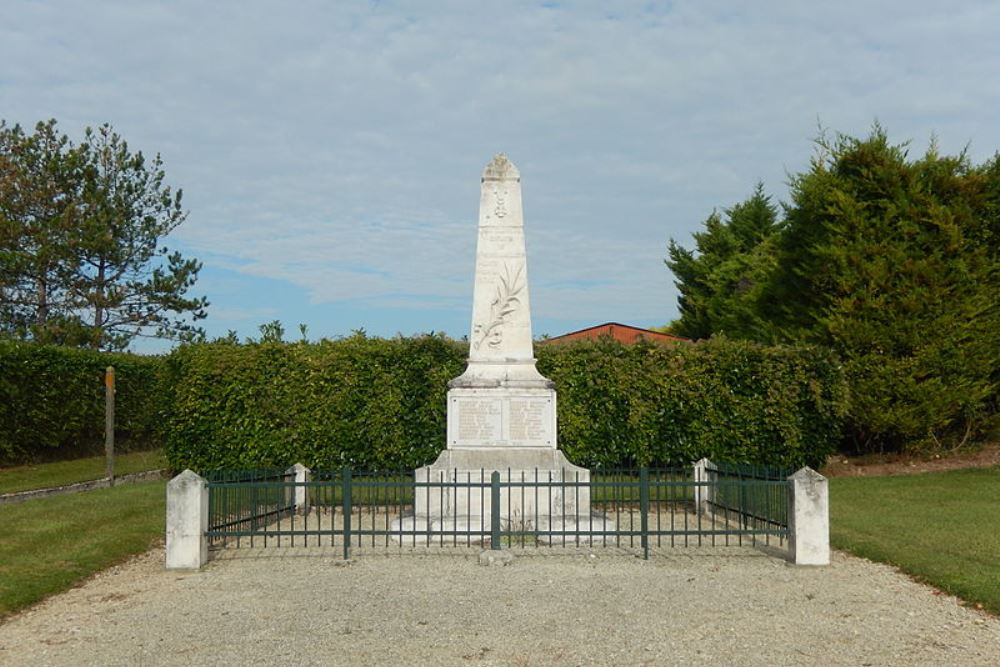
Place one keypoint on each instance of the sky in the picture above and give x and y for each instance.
(330, 152)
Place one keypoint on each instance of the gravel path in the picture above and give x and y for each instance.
(728, 606)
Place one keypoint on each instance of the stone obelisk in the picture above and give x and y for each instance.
(501, 410)
(501, 400)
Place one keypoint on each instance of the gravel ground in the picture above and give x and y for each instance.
(731, 606)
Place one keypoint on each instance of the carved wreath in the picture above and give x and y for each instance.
(506, 302)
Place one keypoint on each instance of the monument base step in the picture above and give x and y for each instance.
(517, 460)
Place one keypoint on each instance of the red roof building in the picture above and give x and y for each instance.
(622, 333)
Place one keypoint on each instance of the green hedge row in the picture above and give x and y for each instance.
(732, 401)
(52, 401)
(380, 403)
(377, 403)
(368, 402)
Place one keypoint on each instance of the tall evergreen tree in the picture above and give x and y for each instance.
(888, 261)
(720, 281)
(80, 231)
(40, 181)
(124, 282)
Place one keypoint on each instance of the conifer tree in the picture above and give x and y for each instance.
(887, 260)
(81, 260)
(720, 281)
(40, 177)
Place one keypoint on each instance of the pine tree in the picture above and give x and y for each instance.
(40, 181)
(123, 280)
(80, 231)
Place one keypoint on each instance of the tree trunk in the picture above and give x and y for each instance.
(99, 312)
(42, 314)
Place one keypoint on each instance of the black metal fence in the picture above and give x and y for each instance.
(744, 491)
(639, 509)
(246, 501)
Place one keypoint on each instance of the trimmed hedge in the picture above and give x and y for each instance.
(727, 400)
(52, 401)
(377, 403)
(368, 402)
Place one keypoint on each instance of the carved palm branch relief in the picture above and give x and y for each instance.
(506, 301)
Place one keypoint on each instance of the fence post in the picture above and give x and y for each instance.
(644, 509)
(298, 495)
(187, 522)
(495, 511)
(701, 491)
(109, 424)
(347, 510)
(808, 518)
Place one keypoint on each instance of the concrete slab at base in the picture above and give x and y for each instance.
(522, 465)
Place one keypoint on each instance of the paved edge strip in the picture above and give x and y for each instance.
(132, 478)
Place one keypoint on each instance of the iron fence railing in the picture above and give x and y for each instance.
(742, 490)
(251, 499)
(637, 509)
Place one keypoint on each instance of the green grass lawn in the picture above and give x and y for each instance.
(50, 544)
(60, 473)
(941, 528)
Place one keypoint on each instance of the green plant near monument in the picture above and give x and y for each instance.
(380, 403)
(891, 260)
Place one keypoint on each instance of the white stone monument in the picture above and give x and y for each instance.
(501, 410)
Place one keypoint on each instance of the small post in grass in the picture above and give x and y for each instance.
(109, 424)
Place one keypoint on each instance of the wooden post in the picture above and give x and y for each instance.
(109, 424)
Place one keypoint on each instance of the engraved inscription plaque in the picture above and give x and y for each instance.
(530, 420)
(479, 420)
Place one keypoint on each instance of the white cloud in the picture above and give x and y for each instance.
(338, 147)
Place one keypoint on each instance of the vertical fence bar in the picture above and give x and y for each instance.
(347, 510)
(495, 511)
(644, 509)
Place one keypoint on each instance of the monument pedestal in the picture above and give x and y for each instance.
(540, 490)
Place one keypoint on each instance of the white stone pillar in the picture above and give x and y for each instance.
(298, 496)
(809, 518)
(701, 493)
(187, 521)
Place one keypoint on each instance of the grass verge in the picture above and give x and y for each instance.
(60, 473)
(941, 528)
(50, 544)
